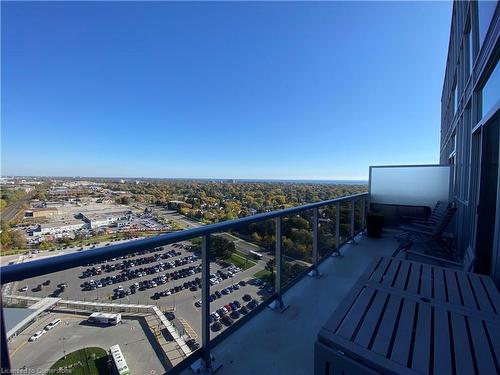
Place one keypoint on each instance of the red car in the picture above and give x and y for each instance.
(228, 307)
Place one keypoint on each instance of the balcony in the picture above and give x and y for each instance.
(287, 291)
(326, 226)
(283, 343)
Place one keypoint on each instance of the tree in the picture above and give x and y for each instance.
(123, 200)
(44, 245)
(256, 237)
(5, 237)
(221, 248)
(18, 239)
(40, 196)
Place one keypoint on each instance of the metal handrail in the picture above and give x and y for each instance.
(21, 271)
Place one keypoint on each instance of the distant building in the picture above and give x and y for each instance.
(104, 219)
(41, 212)
(60, 227)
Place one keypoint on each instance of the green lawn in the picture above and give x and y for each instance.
(89, 365)
(264, 275)
(241, 261)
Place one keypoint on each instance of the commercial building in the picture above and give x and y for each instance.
(41, 212)
(60, 227)
(470, 129)
(104, 219)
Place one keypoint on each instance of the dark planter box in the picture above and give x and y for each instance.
(374, 225)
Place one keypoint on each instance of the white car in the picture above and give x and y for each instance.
(52, 324)
(24, 289)
(36, 336)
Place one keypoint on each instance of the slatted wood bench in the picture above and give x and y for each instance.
(404, 317)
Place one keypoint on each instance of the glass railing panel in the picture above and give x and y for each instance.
(345, 221)
(327, 230)
(143, 301)
(297, 245)
(358, 204)
(242, 273)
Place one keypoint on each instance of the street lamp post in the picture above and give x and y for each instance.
(64, 348)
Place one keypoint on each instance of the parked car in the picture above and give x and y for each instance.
(216, 326)
(244, 310)
(52, 324)
(170, 315)
(36, 336)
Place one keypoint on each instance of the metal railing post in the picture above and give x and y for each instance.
(337, 230)
(205, 302)
(315, 248)
(279, 305)
(363, 214)
(6, 369)
(353, 207)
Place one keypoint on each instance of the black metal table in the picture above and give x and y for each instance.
(404, 317)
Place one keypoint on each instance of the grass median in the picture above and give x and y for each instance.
(86, 361)
(241, 261)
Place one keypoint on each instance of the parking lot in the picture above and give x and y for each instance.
(168, 277)
(138, 345)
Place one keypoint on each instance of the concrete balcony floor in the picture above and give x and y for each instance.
(283, 343)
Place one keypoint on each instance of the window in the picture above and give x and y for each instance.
(470, 52)
(486, 10)
(455, 97)
(490, 93)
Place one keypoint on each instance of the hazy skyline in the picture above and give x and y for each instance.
(221, 90)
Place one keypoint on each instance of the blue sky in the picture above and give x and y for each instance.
(225, 90)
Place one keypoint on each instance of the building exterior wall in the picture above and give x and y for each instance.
(44, 213)
(55, 229)
(469, 97)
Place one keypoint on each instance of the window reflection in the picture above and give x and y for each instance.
(491, 91)
(486, 10)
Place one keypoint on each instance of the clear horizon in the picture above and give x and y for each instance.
(270, 91)
(181, 178)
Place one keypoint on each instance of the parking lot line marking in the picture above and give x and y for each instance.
(192, 333)
(75, 316)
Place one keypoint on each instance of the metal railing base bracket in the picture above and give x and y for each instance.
(278, 306)
(200, 367)
(315, 274)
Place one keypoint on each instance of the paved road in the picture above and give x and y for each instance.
(136, 342)
(182, 302)
(11, 210)
(241, 245)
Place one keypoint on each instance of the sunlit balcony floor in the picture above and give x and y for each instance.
(283, 343)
